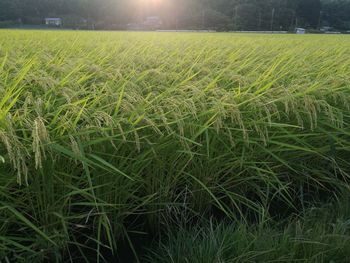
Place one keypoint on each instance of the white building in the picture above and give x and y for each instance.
(53, 21)
(300, 30)
(153, 22)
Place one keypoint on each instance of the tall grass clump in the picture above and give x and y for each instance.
(319, 234)
(105, 136)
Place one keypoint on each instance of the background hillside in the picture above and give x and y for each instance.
(181, 14)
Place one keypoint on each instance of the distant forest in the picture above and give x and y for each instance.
(181, 14)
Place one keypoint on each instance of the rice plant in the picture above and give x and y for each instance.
(104, 136)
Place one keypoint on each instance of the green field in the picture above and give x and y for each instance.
(109, 138)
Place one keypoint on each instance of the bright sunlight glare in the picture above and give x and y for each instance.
(151, 2)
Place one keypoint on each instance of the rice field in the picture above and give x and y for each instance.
(107, 138)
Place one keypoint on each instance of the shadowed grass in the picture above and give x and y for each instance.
(317, 235)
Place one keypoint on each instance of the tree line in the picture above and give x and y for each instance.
(182, 14)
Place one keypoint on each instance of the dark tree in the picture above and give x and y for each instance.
(214, 14)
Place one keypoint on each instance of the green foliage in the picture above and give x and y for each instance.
(105, 135)
(183, 14)
(318, 235)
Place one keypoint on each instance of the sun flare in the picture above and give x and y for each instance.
(151, 2)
